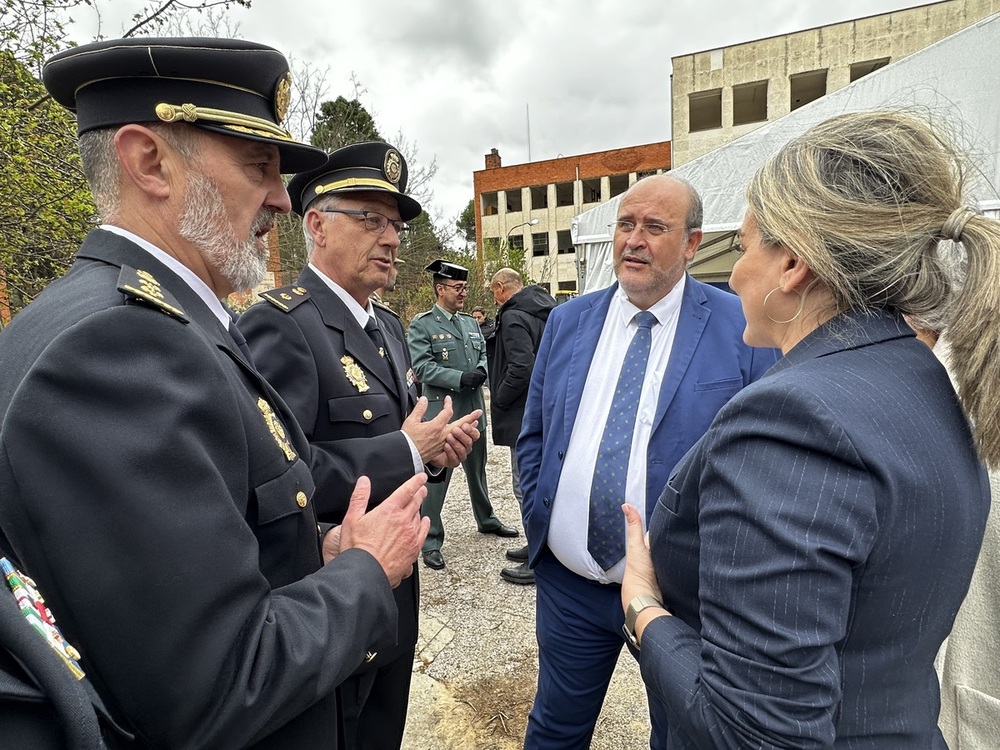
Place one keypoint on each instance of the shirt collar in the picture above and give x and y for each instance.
(444, 312)
(663, 309)
(360, 314)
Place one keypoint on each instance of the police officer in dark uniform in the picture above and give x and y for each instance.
(341, 364)
(151, 481)
(449, 358)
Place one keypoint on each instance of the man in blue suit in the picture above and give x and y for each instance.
(694, 361)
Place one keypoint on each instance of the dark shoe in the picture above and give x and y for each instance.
(521, 575)
(501, 530)
(519, 555)
(434, 559)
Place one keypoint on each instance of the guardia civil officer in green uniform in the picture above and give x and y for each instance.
(449, 359)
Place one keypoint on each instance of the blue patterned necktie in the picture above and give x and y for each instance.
(606, 523)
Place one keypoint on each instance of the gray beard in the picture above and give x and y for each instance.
(204, 223)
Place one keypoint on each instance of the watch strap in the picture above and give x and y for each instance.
(639, 603)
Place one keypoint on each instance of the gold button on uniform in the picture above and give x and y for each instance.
(301, 499)
(367, 414)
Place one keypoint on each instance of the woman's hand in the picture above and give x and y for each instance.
(639, 578)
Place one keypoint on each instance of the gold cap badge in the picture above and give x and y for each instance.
(283, 97)
(393, 166)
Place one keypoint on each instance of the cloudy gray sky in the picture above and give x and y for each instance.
(456, 76)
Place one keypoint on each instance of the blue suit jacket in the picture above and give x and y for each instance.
(709, 363)
(814, 547)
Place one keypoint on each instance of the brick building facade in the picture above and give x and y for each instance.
(532, 205)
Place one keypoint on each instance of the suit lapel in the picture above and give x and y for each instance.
(589, 326)
(691, 321)
(356, 342)
(397, 360)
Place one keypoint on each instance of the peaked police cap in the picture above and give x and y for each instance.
(373, 166)
(226, 86)
(444, 270)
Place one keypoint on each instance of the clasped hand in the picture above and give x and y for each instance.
(472, 380)
(440, 441)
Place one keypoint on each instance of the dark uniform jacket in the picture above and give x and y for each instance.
(519, 325)
(348, 400)
(154, 486)
(350, 405)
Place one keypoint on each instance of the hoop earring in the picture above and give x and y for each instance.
(802, 302)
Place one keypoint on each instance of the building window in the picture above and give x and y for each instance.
(592, 190)
(567, 286)
(546, 286)
(564, 193)
(540, 243)
(490, 204)
(618, 184)
(705, 110)
(807, 87)
(539, 196)
(516, 241)
(861, 69)
(564, 242)
(750, 103)
(513, 198)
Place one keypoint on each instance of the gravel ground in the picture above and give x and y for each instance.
(476, 665)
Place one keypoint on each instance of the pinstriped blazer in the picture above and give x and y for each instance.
(815, 546)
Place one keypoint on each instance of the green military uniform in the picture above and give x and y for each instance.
(442, 347)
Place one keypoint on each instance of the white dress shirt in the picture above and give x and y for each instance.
(571, 506)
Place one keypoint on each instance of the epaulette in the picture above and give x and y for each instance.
(382, 306)
(140, 285)
(418, 316)
(286, 298)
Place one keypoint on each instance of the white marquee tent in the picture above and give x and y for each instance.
(951, 82)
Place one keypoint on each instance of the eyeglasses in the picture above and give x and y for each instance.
(738, 247)
(650, 230)
(374, 221)
(459, 288)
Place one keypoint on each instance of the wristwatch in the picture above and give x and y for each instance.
(639, 603)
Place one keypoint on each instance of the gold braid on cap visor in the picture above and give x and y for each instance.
(191, 113)
(355, 182)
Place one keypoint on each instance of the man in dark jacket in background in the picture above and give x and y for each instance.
(521, 315)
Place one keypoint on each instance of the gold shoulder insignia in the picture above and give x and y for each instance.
(382, 306)
(142, 286)
(286, 298)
